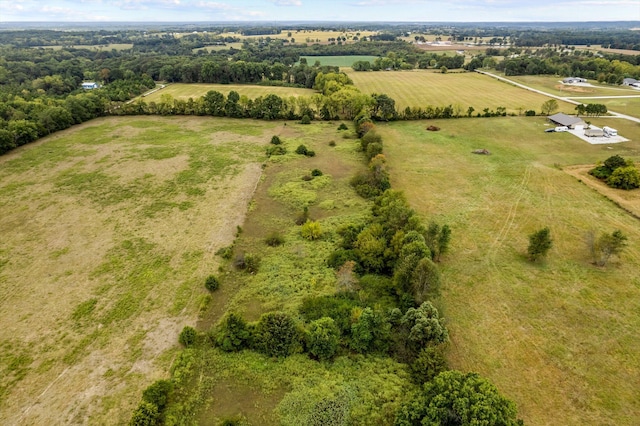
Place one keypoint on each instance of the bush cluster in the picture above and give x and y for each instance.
(303, 150)
(617, 173)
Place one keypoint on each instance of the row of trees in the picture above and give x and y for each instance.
(617, 173)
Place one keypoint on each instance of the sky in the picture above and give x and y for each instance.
(274, 11)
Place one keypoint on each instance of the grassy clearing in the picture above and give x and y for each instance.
(420, 88)
(628, 106)
(108, 232)
(214, 48)
(338, 61)
(186, 91)
(557, 337)
(100, 47)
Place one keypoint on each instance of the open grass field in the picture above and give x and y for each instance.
(552, 84)
(108, 232)
(338, 61)
(186, 91)
(559, 337)
(237, 46)
(628, 106)
(419, 88)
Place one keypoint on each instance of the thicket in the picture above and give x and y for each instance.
(617, 173)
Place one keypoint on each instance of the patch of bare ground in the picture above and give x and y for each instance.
(575, 89)
(627, 200)
(79, 366)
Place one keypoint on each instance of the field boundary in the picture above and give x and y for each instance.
(581, 172)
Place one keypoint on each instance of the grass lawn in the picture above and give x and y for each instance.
(186, 91)
(339, 61)
(419, 88)
(109, 230)
(558, 337)
(551, 84)
(628, 106)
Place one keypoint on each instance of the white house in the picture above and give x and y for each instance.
(90, 85)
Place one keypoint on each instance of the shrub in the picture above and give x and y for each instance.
(370, 333)
(277, 335)
(332, 143)
(145, 415)
(530, 113)
(274, 239)
(225, 252)
(606, 245)
(276, 150)
(305, 119)
(624, 178)
(302, 150)
(311, 153)
(252, 263)
(188, 336)
(539, 244)
(311, 230)
(336, 306)
(370, 137)
(275, 140)
(212, 283)
(303, 217)
(373, 149)
(307, 178)
(322, 338)
(158, 393)
(343, 126)
(316, 172)
(233, 334)
(429, 363)
(337, 258)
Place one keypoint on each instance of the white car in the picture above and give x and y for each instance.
(562, 129)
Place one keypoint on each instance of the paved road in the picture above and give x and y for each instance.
(560, 98)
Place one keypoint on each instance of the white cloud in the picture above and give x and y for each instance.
(287, 2)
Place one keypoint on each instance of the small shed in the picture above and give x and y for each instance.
(569, 121)
(572, 80)
(90, 85)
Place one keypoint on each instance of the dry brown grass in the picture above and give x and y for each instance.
(62, 245)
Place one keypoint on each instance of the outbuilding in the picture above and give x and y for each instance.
(564, 120)
(572, 80)
(90, 85)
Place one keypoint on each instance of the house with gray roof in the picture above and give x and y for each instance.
(569, 121)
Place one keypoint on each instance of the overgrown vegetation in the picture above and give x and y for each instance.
(617, 173)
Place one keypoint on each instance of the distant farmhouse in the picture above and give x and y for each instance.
(90, 85)
(569, 121)
(631, 82)
(572, 80)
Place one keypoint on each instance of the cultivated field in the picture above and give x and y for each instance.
(338, 61)
(108, 232)
(420, 88)
(559, 337)
(186, 91)
(101, 47)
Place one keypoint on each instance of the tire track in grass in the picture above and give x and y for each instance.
(521, 190)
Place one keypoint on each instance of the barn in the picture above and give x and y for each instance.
(569, 121)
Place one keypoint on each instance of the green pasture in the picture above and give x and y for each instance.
(338, 61)
(101, 47)
(628, 106)
(552, 84)
(560, 336)
(216, 47)
(110, 228)
(420, 88)
(186, 91)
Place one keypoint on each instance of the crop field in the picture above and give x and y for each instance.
(420, 88)
(558, 336)
(553, 85)
(338, 61)
(108, 232)
(186, 91)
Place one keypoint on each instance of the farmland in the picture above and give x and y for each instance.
(553, 85)
(186, 91)
(628, 106)
(108, 231)
(309, 36)
(421, 88)
(338, 61)
(558, 336)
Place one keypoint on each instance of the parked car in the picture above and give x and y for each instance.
(562, 129)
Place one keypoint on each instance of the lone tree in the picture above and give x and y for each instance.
(539, 244)
(549, 107)
(606, 245)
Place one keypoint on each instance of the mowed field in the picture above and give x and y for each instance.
(338, 61)
(186, 91)
(559, 337)
(419, 88)
(628, 106)
(552, 84)
(109, 230)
